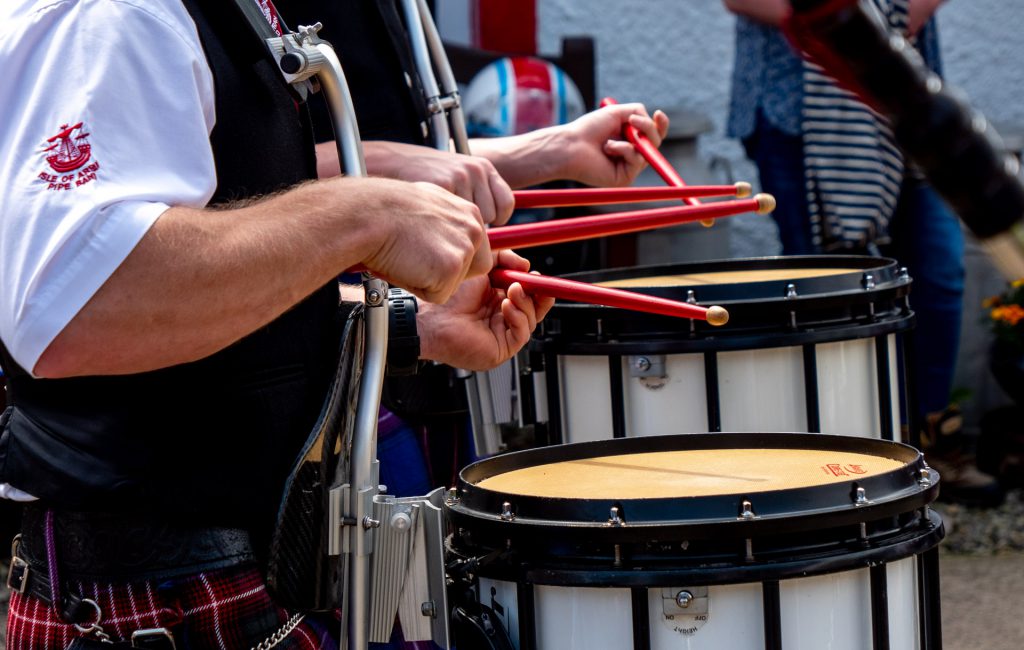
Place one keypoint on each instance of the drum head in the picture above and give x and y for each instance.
(694, 485)
(771, 301)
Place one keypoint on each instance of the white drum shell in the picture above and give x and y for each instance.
(826, 611)
(759, 390)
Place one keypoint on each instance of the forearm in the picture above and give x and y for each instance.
(528, 159)
(770, 12)
(201, 279)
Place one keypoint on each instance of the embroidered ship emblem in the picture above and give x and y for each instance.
(69, 153)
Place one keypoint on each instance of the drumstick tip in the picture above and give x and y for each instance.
(765, 203)
(717, 316)
(743, 190)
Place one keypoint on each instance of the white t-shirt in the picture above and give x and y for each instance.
(106, 108)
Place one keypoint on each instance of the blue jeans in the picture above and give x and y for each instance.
(926, 238)
(779, 157)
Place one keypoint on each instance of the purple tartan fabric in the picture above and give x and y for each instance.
(227, 609)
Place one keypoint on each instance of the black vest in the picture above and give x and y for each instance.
(210, 441)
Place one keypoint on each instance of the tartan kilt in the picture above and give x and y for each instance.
(228, 609)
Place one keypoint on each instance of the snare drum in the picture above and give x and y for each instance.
(729, 541)
(812, 344)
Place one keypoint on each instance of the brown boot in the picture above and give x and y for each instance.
(949, 452)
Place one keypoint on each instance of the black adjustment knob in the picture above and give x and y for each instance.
(292, 62)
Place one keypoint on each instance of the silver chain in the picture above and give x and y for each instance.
(281, 632)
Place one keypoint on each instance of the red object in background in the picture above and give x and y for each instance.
(506, 25)
(535, 104)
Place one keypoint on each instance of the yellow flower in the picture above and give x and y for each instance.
(1019, 282)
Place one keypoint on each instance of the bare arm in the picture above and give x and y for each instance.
(770, 12)
(201, 279)
(920, 12)
(589, 149)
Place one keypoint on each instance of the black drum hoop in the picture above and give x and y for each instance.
(491, 514)
(885, 272)
(922, 536)
(868, 301)
(661, 343)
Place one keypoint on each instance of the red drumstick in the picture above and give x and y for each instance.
(560, 231)
(582, 292)
(565, 230)
(606, 195)
(655, 158)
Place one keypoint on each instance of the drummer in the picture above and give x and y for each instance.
(374, 50)
(166, 344)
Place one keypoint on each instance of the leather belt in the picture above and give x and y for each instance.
(34, 581)
(117, 547)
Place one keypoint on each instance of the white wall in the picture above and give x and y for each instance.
(679, 53)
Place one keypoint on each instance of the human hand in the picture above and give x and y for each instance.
(422, 237)
(481, 326)
(471, 177)
(598, 155)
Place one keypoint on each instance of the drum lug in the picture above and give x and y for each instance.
(868, 281)
(506, 512)
(615, 516)
(747, 510)
(451, 497)
(860, 497)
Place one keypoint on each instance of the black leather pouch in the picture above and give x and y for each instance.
(301, 574)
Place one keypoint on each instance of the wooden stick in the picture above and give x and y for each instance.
(565, 230)
(607, 195)
(582, 292)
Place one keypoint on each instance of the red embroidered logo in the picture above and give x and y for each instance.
(65, 153)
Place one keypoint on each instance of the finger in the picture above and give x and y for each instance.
(543, 306)
(485, 200)
(632, 160)
(517, 332)
(504, 201)
(662, 122)
(483, 260)
(509, 259)
(648, 127)
(523, 303)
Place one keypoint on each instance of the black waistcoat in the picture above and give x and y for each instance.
(212, 440)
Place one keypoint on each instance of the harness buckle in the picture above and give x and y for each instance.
(157, 638)
(17, 576)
